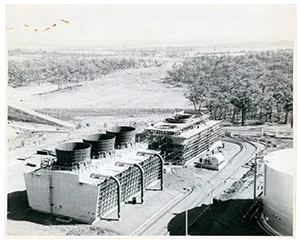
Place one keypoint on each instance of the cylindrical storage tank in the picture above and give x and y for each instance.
(100, 143)
(279, 191)
(124, 134)
(73, 152)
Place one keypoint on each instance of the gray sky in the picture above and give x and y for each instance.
(148, 24)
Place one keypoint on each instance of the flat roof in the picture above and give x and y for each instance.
(179, 127)
(175, 127)
(111, 166)
(105, 167)
(109, 169)
(283, 160)
(198, 128)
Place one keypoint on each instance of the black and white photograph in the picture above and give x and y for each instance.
(150, 120)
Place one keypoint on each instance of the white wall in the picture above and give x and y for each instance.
(70, 198)
(73, 199)
(37, 191)
(278, 201)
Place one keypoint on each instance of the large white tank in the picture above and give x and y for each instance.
(278, 199)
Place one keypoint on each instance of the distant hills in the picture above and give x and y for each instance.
(202, 46)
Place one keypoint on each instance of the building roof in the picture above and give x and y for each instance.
(187, 129)
(198, 128)
(282, 160)
(105, 167)
(165, 126)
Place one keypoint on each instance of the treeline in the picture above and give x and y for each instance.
(66, 70)
(252, 86)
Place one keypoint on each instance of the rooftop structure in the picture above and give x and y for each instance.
(177, 123)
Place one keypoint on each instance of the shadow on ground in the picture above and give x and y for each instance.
(222, 218)
(18, 209)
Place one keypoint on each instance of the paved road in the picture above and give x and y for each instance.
(206, 189)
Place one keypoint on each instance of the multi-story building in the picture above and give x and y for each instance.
(183, 136)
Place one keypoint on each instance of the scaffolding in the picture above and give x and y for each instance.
(182, 141)
(127, 173)
(109, 196)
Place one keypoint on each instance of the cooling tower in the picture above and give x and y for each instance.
(73, 152)
(100, 143)
(124, 134)
(279, 191)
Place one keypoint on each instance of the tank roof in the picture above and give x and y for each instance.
(282, 160)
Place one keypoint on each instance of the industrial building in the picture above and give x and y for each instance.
(184, 136)
(278, 198)
(88, 180)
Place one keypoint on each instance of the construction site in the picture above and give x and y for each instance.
(114, 180)
(183, 136)
(138, 163)
(109, 169)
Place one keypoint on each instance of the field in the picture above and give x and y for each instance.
(137, 88)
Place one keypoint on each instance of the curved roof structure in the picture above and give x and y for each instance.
(282, 160)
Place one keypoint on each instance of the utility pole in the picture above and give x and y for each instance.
(186, 213)
(186, 219)
(255, 166)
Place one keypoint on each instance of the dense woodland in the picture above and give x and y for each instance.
(252, 86)
(72, 69)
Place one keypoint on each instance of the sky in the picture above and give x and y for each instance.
(93, 25)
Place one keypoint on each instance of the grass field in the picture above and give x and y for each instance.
(132, 88)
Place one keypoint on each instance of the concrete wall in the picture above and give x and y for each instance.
(38, 190)
(69, 197)
(73, 199)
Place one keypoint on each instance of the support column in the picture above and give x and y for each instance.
(142, 177)
(142, 180)
(162, 170)
(161, 165)
(119, 194)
